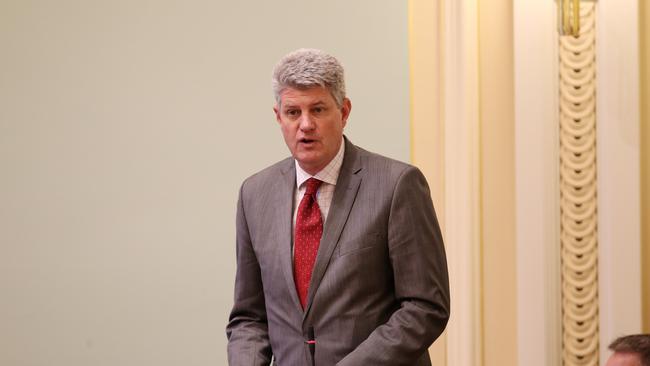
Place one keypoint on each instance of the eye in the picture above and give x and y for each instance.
(318, 110)
(292, 112)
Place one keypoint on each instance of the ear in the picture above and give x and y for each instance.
(276, 110)
(346, 108)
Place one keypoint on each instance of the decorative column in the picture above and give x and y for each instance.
(578, 196)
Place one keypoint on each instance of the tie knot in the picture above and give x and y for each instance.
(312, 186)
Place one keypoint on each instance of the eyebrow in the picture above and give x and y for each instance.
(287, 105)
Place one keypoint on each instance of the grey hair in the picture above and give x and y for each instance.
(307, 68)
(635, 343)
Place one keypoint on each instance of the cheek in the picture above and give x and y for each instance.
(288, 133)
(335, 128)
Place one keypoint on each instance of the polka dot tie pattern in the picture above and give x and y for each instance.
(309, 229)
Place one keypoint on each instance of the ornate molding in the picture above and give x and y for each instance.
(578, 203)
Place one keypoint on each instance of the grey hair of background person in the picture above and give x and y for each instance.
(308, 67)
(634, 343)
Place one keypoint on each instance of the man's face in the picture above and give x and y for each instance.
(624, 359)
(312, 125)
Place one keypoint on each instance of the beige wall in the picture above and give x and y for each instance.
(496, 74)
(644, 33)
(427, 142)
(541, 319)
(126, 128)
(429, 88)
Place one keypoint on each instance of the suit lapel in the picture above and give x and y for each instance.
(345, 192)
(284, 223)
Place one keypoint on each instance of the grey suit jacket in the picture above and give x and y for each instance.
(379, 292)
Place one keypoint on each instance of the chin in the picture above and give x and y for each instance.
(309, 158)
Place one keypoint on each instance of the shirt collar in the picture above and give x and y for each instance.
(329, 174)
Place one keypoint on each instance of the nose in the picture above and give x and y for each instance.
(306, 122)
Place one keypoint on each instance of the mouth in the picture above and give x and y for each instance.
(306, 141)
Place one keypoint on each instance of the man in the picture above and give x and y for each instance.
(631, 350)
(340, 259)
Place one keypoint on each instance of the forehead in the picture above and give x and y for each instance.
(300, 96)
(624, 359)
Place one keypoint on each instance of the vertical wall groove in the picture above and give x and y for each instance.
(644, 30)
(579, 246)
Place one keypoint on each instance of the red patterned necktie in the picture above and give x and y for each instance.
(309, 229)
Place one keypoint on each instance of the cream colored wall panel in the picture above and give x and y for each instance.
(427, 140)
(426, 91)
(618, 176)
(462, 180)
(617, 106)
(537, 184)
(499, 275)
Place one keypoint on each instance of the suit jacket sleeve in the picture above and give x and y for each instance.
(419, 266)
(247, 329)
